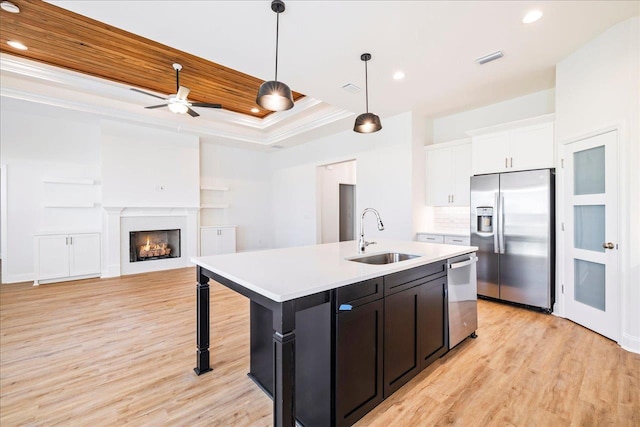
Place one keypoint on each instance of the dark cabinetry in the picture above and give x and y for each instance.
(359, 339)
(357, 349)
(415, 316)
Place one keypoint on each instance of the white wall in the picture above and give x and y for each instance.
(454, 126)
(329, 179)
(597, 88)
(146, 167)
(38, 141)
(384, 178)
(246, 174)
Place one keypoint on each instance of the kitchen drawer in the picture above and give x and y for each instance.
(402, 280)
(359, 293)
(431, 238)
(454, 240)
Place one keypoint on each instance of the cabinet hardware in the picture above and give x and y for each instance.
(511, 162)
(452, 198)
(505, 162)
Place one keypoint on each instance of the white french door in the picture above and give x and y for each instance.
(591, 234)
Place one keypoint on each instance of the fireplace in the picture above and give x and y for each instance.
(148, 245)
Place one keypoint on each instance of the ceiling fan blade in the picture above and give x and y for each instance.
(205, 105)
(182, 93)
(157, 106)
(192, 113)
(147, 93)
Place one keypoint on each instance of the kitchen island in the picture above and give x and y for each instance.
(317, 342)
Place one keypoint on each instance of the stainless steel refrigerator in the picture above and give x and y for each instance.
(512, 224)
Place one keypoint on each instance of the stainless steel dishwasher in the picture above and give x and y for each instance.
(463, 298)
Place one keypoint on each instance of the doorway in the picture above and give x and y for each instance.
(591, 234)
(336, 198)
(347, 209)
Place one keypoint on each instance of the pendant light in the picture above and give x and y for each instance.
(274, 95)
(367, 122)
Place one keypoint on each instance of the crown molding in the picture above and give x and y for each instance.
(31, 81)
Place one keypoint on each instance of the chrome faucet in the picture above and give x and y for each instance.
(362, 244)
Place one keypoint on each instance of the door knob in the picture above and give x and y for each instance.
(608, 245)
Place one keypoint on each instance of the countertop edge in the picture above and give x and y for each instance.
(376, 271)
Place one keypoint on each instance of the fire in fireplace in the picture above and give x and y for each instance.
(154, 244)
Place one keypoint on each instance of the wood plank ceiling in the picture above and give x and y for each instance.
(68, 40)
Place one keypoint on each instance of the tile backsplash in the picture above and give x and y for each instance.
(451, 218)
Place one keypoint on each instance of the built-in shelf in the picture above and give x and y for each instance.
(214, 206)
(70, 205)
(68, 181)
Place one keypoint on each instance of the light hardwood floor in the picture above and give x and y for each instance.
(121, 351)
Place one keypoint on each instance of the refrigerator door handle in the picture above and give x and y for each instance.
(496, 225)
(501, 224)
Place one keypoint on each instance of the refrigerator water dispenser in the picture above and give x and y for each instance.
(484, 216)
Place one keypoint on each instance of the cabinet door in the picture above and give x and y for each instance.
(358, 362)
(531, 147)
(433, 321)
(439, 177)
(84, 254)
(461, 163)
(401, 353)
(227, 239)
(209, 241)
(52, 257)
(490, 153)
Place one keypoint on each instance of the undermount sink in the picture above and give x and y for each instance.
(386, 258)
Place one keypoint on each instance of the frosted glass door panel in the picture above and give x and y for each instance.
(589, 230)
(590, 283)
(589, 171)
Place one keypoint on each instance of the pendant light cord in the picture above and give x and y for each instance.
(277, 33)
(366, 85)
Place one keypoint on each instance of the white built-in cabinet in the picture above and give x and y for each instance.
(448, 172)
(217, 240)
(61, 257)
(522, 145)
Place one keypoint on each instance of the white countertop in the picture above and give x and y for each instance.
(289, 273)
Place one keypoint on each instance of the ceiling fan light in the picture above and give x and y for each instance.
(178, 108)
(367, 123)
(274, 96)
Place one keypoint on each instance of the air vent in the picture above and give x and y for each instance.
(351, 88)
(491, 57)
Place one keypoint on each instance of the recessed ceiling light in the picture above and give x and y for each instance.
(532, 16)
(255, 110)
(16, 45)
(9, 7)
(398, 75)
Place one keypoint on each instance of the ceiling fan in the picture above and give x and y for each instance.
(178, 102)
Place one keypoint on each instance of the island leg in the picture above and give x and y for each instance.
(284, 339)
(202, 318)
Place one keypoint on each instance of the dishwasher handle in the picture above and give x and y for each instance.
(461, 264)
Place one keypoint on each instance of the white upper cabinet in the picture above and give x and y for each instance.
(523, 145)
(448, 172)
